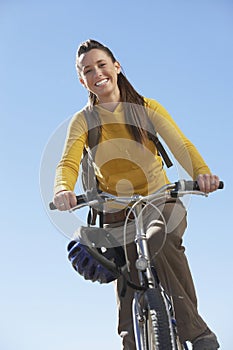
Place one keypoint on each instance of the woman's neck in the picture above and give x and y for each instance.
(110, 102)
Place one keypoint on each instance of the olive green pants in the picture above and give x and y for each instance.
(172, 268)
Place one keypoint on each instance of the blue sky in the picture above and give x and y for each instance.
(177, 52)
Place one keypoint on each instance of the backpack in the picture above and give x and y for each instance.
(88, 177)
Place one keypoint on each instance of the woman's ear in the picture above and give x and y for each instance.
(82, 82)
(118, 67)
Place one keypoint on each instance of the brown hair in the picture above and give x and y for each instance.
(136, 122)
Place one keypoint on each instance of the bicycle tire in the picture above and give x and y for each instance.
(155, 331)
(139, 323)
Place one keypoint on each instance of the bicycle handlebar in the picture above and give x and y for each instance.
(174, 189)
(189, 185)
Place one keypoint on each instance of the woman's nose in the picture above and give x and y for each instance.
(98, 72)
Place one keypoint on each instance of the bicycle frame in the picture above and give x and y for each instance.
(148, 280)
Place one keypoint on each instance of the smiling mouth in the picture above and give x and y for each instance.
(101, 82)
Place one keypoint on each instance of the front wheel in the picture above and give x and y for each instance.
(152, 323)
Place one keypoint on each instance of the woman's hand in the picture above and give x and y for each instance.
(208, 183)
(65, 200)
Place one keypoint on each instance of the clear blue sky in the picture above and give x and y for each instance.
(178, 52)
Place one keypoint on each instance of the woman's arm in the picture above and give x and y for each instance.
(181, 147)
(68, 168)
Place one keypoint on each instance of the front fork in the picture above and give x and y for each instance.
(143, 261)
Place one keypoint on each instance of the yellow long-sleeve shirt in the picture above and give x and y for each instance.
(124, 166)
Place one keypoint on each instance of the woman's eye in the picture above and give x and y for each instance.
(87, 71)
(102, 64)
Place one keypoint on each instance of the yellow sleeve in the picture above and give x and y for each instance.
(180, 146)
(68, 167)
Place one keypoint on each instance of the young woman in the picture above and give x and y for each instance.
(127, 161)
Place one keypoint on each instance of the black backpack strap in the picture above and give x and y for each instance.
(91, 217)
(152, 135)
(94, 128)
(162, 152)
(94, 131)
(89, 179)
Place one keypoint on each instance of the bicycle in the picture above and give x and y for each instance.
(152, 309)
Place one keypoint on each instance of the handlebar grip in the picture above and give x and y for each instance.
(196, 187)
(221, 185)
(80, 199)
(184, 185)
(52, 206)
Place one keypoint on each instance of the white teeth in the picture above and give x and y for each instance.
(101, 82)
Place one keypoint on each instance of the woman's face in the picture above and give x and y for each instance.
(99, 75)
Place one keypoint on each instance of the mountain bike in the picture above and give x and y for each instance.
(152, 308)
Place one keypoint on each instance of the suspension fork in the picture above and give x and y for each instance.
(143, 260)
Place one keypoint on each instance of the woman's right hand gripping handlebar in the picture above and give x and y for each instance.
(65, 200)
